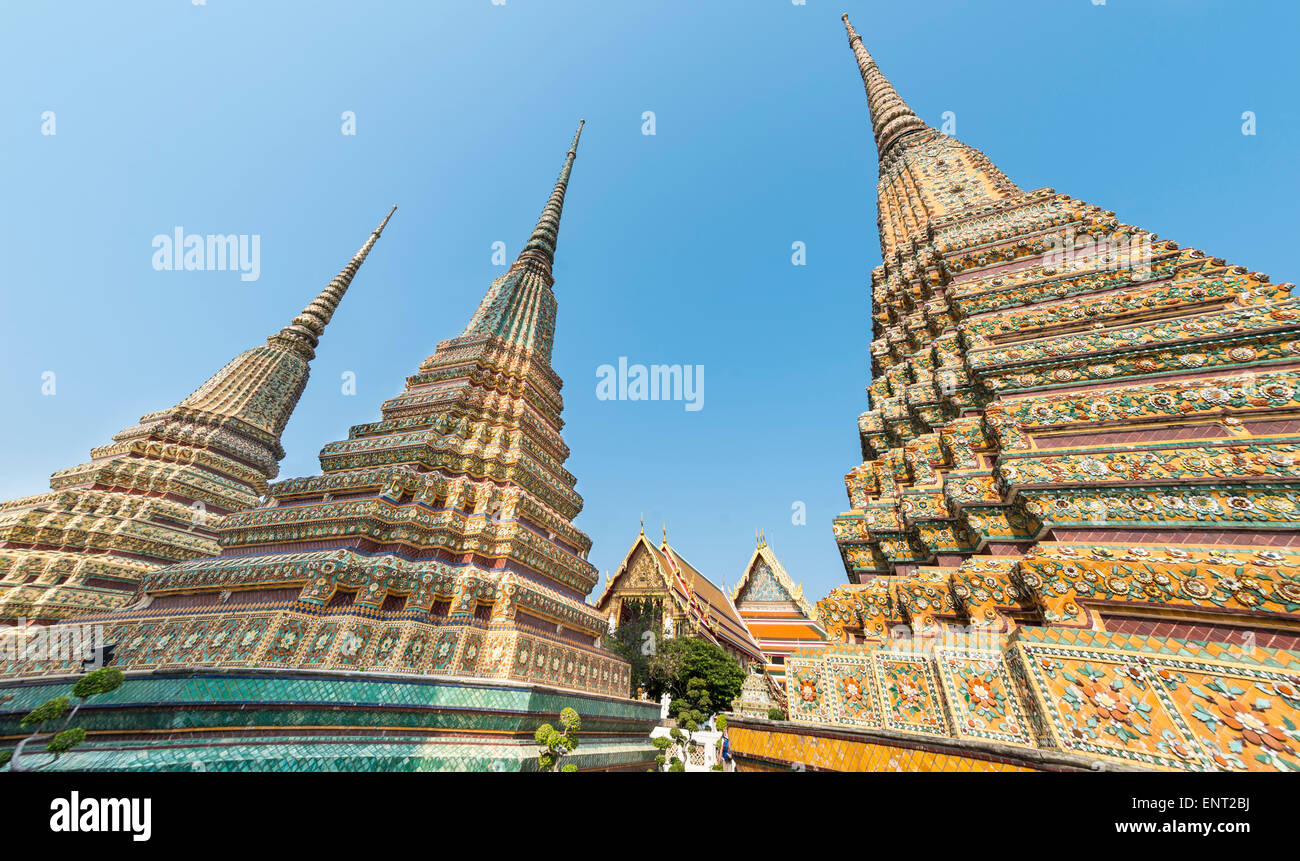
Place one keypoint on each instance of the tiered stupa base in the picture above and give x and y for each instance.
(250, 720)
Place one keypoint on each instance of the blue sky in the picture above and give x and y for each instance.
(675, 248)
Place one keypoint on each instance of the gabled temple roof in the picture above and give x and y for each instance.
(715, 613)
(763, 553)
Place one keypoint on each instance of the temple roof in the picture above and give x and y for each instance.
(713, 611)
(763, 558)
(774, 608)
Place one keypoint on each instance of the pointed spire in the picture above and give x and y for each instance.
(546, 234)
(304, 333)
(891, 118)
(519, 306)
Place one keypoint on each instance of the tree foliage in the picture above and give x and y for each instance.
(67, 737)
(51, 709)
(636, 639)
(700, 677)
(556, 744)
(100, 681)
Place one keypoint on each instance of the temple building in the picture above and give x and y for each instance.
(781, 620)
(680, 601)
(1073, 541)
(774, 609)
(419, 605)
(155, 495)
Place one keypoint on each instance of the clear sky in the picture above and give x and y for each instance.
(675, 248)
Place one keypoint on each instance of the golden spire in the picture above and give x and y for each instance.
(304, 333)
(891, 118)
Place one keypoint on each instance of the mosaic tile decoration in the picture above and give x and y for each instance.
(1153, 702)
(211, 454)
(202, 722)
(756, 748)
(1169, 703)
(316, 754)
(982, 697)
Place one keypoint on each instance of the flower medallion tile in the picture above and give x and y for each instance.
(909, 693)
(982, 696)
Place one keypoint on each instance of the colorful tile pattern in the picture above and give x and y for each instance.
(356, 724)
(156, 494)
(1079, 437)
(811, 751)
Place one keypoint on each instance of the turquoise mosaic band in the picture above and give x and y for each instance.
(323, 722)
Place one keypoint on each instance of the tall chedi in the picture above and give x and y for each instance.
(1073, 539)
(154, 495)
(427, 587)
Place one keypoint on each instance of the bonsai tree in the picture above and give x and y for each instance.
(662, 743)
(66, 737)
(556, 744)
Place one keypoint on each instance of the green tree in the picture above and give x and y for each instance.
(556, 744)
(65, 738)
(662, 744)
(636, 638)
(701, 678)
(698, 675)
